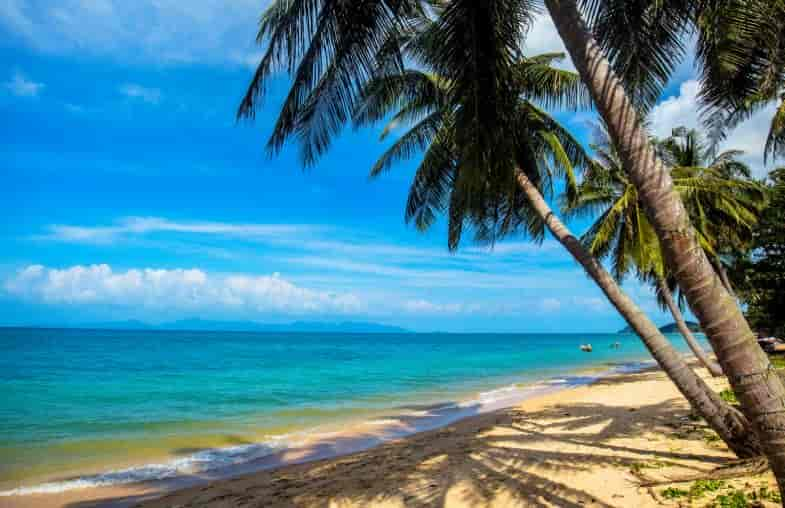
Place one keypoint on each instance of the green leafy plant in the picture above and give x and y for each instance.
(728, 396)
(674, 493)
(701, 487)
(736, 499)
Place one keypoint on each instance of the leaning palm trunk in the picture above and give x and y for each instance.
(729, 423)
(724, 277)
(689, 338)
(749, 371)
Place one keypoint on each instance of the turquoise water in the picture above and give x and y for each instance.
(79, 402)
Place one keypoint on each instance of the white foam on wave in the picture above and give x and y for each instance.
(200, 462)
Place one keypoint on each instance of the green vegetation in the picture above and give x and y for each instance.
(674, 493)
(759, 273)
(728, 396)
(766, 494)
(701, 487)
(732, 498)
(722, 201)
(778, 362)
(653, 464)
(736, 499)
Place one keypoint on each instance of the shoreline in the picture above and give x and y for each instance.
(361, 435)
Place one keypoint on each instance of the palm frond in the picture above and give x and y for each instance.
(643, 39)
(332, 48)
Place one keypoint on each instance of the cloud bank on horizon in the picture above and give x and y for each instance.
(132, 193)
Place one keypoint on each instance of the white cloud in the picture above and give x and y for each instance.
(165, 31)
(178, 289)
(145, 94)
(683, 110)
(513, 248)
(544, 38)
(592, 303)
(22, 86)
(421, 306)
(194, 290)
(675, 111)
(130, 226)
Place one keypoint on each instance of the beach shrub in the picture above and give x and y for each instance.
(674, 493)
(701, 487)
(736, 499)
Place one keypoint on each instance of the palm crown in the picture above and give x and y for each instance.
(722, 201)
(453, 176)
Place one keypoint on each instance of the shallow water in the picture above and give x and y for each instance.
(77, 404)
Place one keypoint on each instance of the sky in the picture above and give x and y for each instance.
(129, 191)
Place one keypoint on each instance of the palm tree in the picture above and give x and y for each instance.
(333, 48)
(548, 152)
(741, 46)
(476, 176)
(642, 53)
(725, 231)
(717, 200)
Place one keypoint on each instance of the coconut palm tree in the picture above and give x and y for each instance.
(723, 207)
(444, 183)
(741, 46)
(332, 48)
(724, 231)
(642, 53)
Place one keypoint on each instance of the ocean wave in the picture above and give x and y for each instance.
(199, 462)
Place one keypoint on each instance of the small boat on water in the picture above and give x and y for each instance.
(586, 348)
(616, 345)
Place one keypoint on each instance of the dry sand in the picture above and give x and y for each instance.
(585, 446)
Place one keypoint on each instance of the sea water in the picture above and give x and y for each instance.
(96, 407)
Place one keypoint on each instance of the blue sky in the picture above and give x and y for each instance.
(130, 192)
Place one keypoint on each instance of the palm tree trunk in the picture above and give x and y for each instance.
(689, 338)
(758, 388)
(723, 276)
(729, 423)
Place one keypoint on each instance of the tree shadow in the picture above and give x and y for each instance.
(503, 458)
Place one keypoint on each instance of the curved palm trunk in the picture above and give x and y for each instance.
(749, 371)
(689, 338)
(724, 277)
(729, 423)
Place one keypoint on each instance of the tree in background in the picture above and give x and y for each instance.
(759, 274)
(723, 206)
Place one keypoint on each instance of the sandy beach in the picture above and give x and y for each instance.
(584, 446)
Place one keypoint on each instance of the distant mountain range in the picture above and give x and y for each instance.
(250, 326)
(671, 328)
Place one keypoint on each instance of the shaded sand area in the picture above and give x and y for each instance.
(585, 446)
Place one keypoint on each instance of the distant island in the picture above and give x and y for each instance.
(246, 326)
(670, 328)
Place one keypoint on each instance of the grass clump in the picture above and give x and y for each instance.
(674, 493)
(701, 487)
(735, 499)
(655, 464)
(728, 396)
(766, 494)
